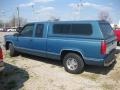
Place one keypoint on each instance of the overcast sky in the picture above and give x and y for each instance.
(42, 10)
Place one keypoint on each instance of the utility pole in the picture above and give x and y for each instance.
(18, 13)
(79, 5)
(35, 15)
(3, 15)
(33, 11)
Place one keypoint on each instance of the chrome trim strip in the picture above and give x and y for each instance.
(85, 58)
(36, 50)
(93, 59)
(69, 40)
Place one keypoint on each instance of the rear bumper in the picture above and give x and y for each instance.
(1, 66)
(110, 59)
(106, 61)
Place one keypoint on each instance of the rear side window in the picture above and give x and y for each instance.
(72, 29)
(106, 30)
(61, 28)
(39, 30)
(81, 29)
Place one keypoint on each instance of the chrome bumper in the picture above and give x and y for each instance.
(108, 64)
(110, 59)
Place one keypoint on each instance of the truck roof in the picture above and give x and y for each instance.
(70, 21)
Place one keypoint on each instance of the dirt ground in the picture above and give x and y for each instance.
(26, 72)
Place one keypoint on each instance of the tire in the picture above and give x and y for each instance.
(118, 43)
(13, 52)
(73, 63)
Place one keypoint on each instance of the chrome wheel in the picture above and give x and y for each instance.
(72, 64)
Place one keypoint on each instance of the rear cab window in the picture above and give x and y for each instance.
(72, 29)
(106, 29)
(108, 35)
(81, 29)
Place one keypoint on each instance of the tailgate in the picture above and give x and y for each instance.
(111, 44)
(108, 35)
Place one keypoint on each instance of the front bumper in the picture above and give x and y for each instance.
(1, 66)
(110, 59)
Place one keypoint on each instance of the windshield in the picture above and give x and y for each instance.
(106, 30)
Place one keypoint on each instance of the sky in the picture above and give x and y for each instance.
(42, 10)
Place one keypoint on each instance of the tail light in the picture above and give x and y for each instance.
(103, 48)
(1, 55)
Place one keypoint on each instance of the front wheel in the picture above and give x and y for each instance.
(118, 43)
(13, 52)
(73, 63)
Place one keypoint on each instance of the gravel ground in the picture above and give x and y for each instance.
(26, 72)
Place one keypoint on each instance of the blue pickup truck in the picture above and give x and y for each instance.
(76, 43)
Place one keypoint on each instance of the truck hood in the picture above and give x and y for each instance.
(8, 36)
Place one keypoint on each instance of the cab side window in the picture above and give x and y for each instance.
(27, 30)
(39, 30)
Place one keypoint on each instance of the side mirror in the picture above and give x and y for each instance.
(19, 29)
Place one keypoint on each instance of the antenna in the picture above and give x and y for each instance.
(18, 13)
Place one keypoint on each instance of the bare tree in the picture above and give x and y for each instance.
(53, 18)
(1, 23)
(14, 22)
(104, 15)
(23, 21)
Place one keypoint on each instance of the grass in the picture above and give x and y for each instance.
(106, 86)
(115, 75)
(10, 59)
(53, 66)
(62, 87)
(93, 77)
(7, 55)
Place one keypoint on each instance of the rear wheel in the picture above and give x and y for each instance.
(118, 43)
(13, 52)
(73, 63)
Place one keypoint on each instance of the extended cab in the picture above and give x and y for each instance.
(76, 43)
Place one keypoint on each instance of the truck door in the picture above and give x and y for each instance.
(23, 41)
(38, 42)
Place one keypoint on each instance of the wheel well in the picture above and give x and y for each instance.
(7, 45)
(69, 51)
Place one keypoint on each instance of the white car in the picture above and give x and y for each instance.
(11, 30)
(1, 29)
